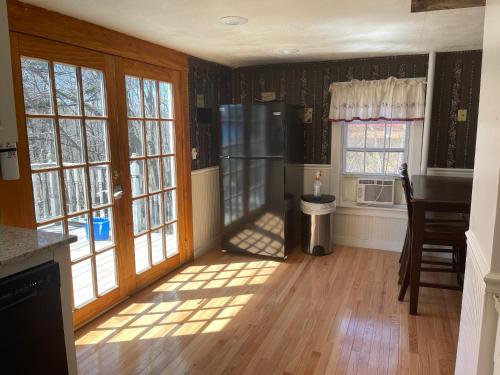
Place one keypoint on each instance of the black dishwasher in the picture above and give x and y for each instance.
(31, 325)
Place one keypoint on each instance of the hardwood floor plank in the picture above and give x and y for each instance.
(233, 314)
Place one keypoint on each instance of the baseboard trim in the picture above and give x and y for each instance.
(368, 244)
(213, 244)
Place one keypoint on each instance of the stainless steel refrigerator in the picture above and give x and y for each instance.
(261, 182)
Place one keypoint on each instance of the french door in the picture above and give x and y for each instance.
(148, 112)
(71, 129)
(103, 151)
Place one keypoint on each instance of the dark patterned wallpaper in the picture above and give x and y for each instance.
(457, 87)
(457, 81)
(213, 81)
(307, 84)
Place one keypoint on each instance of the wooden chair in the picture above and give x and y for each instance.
(448, 234)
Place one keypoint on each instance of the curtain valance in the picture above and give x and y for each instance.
(389, 99)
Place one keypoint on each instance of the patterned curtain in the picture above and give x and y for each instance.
(386, 99)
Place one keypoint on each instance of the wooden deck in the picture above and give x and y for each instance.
(337, 314)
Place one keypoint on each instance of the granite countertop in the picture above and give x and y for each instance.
(18, 244)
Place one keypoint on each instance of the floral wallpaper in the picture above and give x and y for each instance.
(456, 87)
(307, 84)
(213, 82)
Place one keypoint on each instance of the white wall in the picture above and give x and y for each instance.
(206, 210)
(487, 157)
(478, 323)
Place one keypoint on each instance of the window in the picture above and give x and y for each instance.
(68, 138)
(374, 148)
(152, 157)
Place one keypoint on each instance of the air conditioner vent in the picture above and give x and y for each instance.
(376, 191)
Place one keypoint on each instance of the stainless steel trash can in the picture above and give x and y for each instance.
(317, 222)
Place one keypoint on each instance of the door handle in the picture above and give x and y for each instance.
(118, 192)
(19, 301)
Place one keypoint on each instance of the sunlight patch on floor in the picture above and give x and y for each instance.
(185, 316)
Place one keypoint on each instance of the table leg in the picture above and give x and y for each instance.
(417, 234)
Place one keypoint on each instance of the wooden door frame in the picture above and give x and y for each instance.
(16, 197)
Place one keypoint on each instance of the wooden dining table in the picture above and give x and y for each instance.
(433, 194)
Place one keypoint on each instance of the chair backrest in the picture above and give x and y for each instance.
(405, 179)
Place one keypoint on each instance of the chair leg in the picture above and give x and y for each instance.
(405, 245)
(402, 268)
(403, 258)
(416, 243)
(405, 281)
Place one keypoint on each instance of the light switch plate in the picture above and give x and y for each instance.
(462, 115)
(268, 96)
(194, 153)
(200, 100)
(308, 115)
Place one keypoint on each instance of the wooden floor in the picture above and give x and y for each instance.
(232, 314)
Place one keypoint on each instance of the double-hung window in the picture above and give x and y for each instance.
(374, 148)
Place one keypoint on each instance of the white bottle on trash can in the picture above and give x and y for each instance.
(317, 185)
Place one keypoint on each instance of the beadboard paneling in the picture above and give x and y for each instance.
(376, 231)
(371, 228)
(206, 209)
(474, 300)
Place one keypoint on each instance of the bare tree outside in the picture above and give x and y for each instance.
(68, 136)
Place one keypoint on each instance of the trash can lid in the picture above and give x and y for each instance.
(321, 199)
(312, 205)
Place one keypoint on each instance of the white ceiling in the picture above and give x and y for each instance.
(320, 29)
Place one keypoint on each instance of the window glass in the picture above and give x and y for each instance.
(374, 148)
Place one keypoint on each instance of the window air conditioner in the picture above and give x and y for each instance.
(375, 191)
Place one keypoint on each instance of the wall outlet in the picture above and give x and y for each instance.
(194, 153)
(462, 115)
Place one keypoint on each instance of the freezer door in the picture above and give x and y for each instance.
(252, 130)
(253, 205)
(265, 131)
(232, 121)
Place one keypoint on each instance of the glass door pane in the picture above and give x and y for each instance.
(69, 146)
(152, 161)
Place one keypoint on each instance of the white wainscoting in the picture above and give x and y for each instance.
(478, 319)
(371, 228)
(206, 210)
(367, 227)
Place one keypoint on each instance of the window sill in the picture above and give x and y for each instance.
(351, 208)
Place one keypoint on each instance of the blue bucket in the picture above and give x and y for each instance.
(101, 229)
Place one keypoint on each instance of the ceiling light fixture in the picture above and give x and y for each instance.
(290, 51)
(233, 20)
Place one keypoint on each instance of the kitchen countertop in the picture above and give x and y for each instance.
(18, 244)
